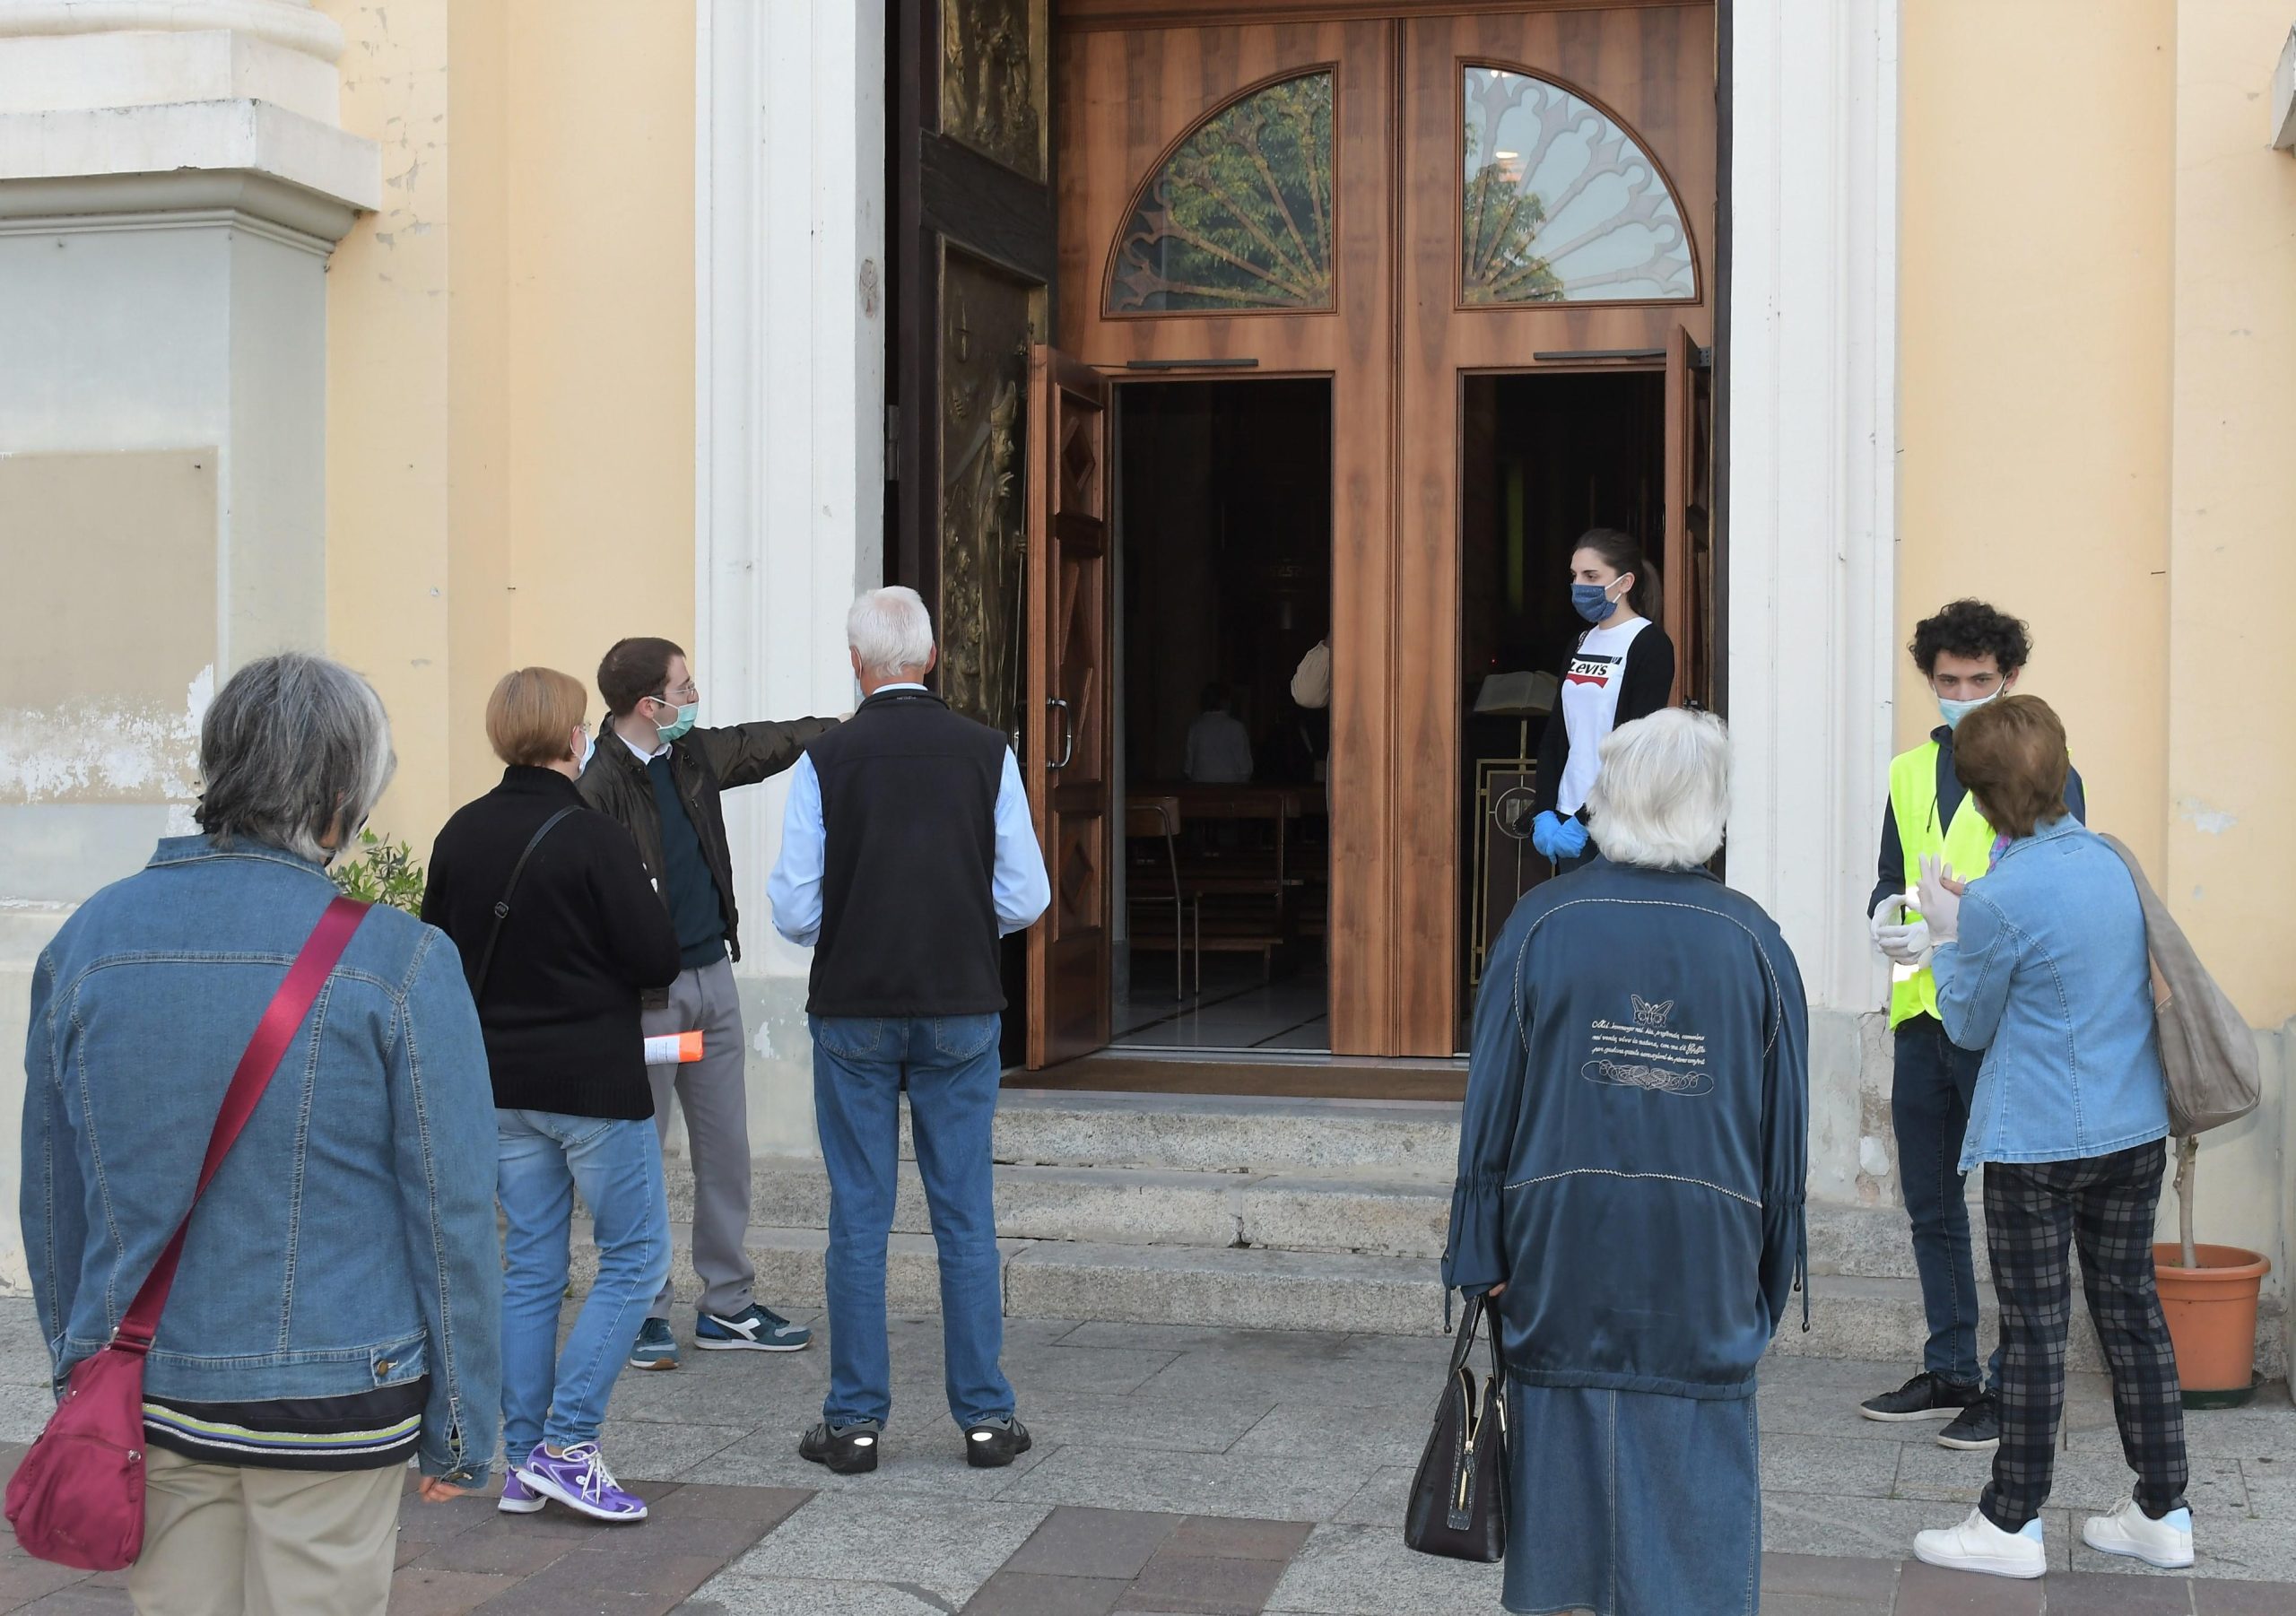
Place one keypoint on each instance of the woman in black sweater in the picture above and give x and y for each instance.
(1620, 670)
(560, 931)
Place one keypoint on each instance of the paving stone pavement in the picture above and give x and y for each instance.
(1182, 1471)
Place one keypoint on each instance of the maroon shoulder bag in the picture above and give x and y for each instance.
(78, 1496)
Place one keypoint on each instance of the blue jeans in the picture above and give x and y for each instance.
(1929, 1108)
(553, 1395)
(950, 1067)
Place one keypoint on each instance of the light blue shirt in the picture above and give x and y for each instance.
(1022, 889)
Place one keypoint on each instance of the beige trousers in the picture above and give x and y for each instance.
(219, 1539)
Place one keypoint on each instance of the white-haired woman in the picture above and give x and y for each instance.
(1630, 1190)
(338, 1306)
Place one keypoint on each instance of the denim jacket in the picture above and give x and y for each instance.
(348, 1241)
(2048, 978)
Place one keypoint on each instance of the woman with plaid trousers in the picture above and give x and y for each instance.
(2041, 964)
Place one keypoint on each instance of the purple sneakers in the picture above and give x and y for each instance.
(581, 1480)
(517, 1497)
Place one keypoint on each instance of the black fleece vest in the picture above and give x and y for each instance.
(908, 910)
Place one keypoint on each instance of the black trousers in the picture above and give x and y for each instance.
(2034, 1213)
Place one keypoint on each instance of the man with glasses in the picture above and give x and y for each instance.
(661, 777)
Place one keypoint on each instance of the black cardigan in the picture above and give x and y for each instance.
(1644, 685)
(584, 934)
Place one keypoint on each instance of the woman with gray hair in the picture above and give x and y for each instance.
(1630, 1194)
(339, 1298)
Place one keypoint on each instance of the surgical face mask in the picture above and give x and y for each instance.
(584, 752)
(687, 714)
(1955, 711)
(1593, 601)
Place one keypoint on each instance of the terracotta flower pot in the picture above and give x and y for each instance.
(2212, 1312)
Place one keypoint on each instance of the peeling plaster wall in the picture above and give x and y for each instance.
(159, 467)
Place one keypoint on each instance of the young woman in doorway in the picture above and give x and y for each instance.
(1620, 669)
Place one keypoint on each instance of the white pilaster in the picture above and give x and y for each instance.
(790, 410)
(1812, 467)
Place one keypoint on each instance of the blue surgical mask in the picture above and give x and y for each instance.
(687, 714)
(1593, 601)
(589, 750)
(1955, 711)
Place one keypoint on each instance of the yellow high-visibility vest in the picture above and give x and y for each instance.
(1966, 845)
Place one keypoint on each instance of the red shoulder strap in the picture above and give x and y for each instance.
(312, 966)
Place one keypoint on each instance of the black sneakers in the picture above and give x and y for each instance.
(851, 1450)
(848, 1450)
(1977, 1429)
(996, 1443)
(1928, 1395)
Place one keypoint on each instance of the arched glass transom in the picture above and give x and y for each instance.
(1561, 204)
(1239, 217)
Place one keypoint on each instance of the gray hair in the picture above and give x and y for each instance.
(891, 631)
(1663, 796)
(293, 748)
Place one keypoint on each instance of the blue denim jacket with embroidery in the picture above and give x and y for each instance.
(2048, 978)
(348, 1241)
(1632, 1155)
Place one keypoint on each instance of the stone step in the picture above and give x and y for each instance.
(1876, 1242)
(1882, 1320)
(1144, 1206)
(1850, 1317)
(1394, 1139)
(1237, 1289)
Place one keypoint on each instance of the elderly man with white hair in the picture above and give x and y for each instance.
(907, 853)
(1629, 1193)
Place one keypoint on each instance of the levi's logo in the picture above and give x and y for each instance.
(1590, 669)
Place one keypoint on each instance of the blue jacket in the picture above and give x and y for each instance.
(2048, 978)
(348, 1242)
(1633, 1153)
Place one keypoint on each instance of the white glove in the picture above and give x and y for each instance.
(1906, 943)
(1941, 900)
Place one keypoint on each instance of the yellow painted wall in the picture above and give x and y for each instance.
(2034, 355)
(2233, 566)
(388, 560)
(2098, 252)
(510, 360)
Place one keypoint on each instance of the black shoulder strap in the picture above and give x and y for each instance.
(502, 904)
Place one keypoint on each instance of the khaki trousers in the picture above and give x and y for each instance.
(219, 1539)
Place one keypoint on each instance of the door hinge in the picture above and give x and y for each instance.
(893, 443)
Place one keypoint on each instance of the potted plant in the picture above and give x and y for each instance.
(2209, 1295)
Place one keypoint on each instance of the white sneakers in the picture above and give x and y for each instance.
(2166, 1542)
(1977, 1544)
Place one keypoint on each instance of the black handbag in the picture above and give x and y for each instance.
(1458, 1500)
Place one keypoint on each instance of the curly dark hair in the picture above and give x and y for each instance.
(1971, 628)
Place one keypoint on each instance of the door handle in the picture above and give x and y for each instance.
(1067, 730)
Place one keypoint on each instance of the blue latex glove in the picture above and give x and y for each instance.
(1558, 837)
(1570, 840)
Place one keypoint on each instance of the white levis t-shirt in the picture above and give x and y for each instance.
(1590, 687)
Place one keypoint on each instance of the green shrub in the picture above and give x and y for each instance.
(382, 872)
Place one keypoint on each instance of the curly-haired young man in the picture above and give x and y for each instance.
(1970, 653)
